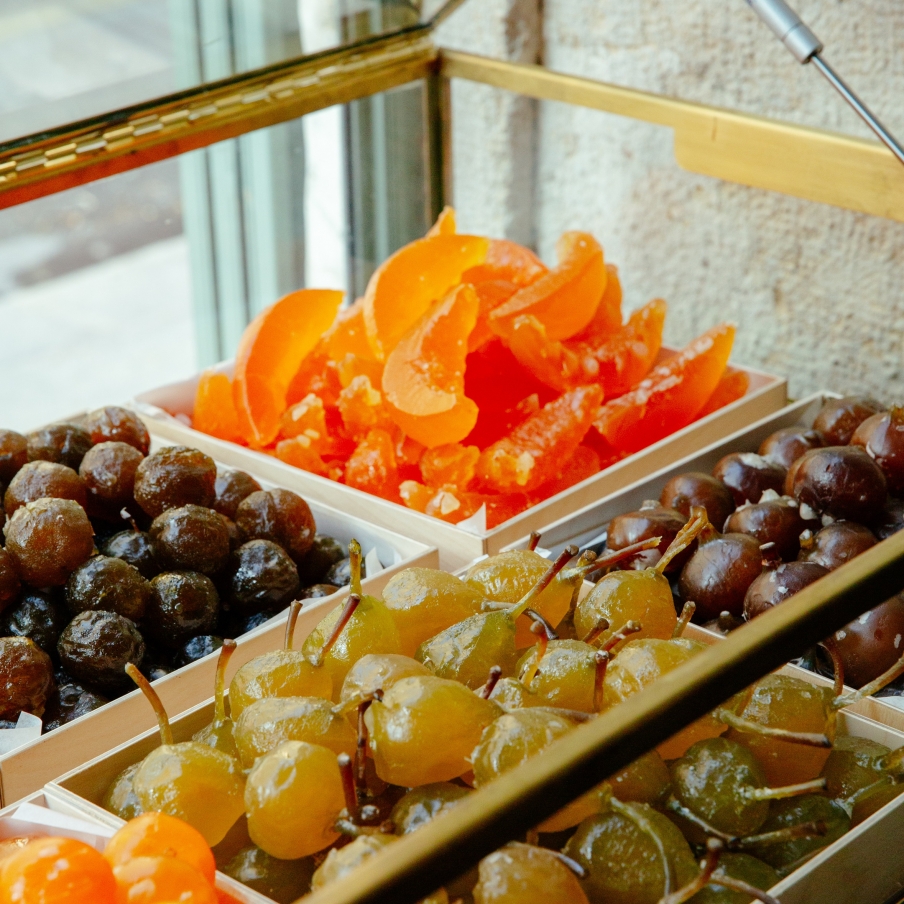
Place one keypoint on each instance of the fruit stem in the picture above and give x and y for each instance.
(539, 652)
(837, 666)
(540, 625)
(629, 812)
(614, 556)
(573, 865)
(597, 629)
(534, 540)
(714, 848)
(780, 836)
(892, 761)
(294, 609)
(166, 732)
(684, 619)
(601, 659)
(354, 566)
(348, 610)
(527, 600)
(817, 784)
(868, 690)
(361, 751)
(586, 564)
(492, 681)
(625, 631)
(219, 687)
(745, 888)
(688, 814)
(348, 785)
(683, 539)
(781, 734)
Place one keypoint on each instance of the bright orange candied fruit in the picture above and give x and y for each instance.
(214, 412)
(156, 880)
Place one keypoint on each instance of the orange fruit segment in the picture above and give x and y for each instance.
(317, 374)
(351, 366)
(491, 294)
(405, 285)
(445, 223)
(534, 451)
(372, 466)
(348, 335)
(270, 353)
(453, 463)
(670, 397)
(566, 298)
(507, 261)
(423, 380)
(214, 412)
(361, 407)
(583, 463)
(156, 880)
(733, 386)
(608, 316)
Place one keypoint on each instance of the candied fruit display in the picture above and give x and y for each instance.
(469, 378)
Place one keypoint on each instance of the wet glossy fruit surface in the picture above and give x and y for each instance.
(173, 477)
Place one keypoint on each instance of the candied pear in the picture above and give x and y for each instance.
(219, 733)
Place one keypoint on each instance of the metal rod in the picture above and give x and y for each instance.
(509, 806)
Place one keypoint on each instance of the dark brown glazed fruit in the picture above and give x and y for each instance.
(182, 604)
(191, 538)
(696, 488)
(26, 677)
(748, 475)
(650, 520)
(882, 435)
(724, 624)
(775, 521)
(48, 540)
(118, 425)
(785, 446)
(37, 616)
(173, 477)
(136, 548)
(323, 554)
(775, 586)
(65, 444)
(836, 544)
(317, 591)
(719, 573)
(197, 648)
(841, 481)
(10, 585)
(108, 584)
(67, 702)
(13, 454)
(108, 470)
(231, 488)
(261, 575)
(40, 479)
(872, 643)
(839, 418)
(96, 646)
(891, 520)
(278, 515)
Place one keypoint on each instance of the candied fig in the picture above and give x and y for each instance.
(839, 418)
(26, 677)
(65, 444)
(13, 454)
(836, 544)
(10, 585)
(278, 515)
(785, 446)
(882, 435)
(173, 477)
(37, 616)
(136, 548)
(191, 538)
(775, 586)
(872, 643)
(650, 520)
(841, 481)
(110, 585)
(96, 646)
(718, 574)
(108, 470)
(48, 540)
(68, 701)
(182, 604)
(696, 488)
(231, 488)
(197, 648)
(118, 425)
(774, 520)
(748, 475)
(261, 575)
(42, 479)
(323, 554)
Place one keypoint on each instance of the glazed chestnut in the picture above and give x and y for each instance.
(278, 515)
(696, 488)
(37, 616)
(108, 584)
(785, 446)
(231, 488)
(136, 548)
(26, 677)
(182, 604)
(836, 544)
(839, 418)
(872, 643)
(340, 574)
(191, 538)
(10, 585)
(40, 480)
(724, 624)
(841, 481)
(775, 586)
(96, 646)
(882, 435)
(718, 574)
(173, 477)
(650, 520)
(316, 591)
(773, 520)
(260, 575)
(748, 475)
(118, 425)
(65, 444)
(13, 454)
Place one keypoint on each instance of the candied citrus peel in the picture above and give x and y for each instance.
(270, 353)
(348, 334)
(423, 381)
(507, 261)
(445, 223)
(372, 466)
(214, 412)
(307, 417)
(733, 386)
(404, 286)
(450, 464)
(361, 407)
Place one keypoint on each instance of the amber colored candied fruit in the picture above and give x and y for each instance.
(584, 463)
(316, 374)
(507, 261)
(13, 454)
(26, 677)
(453, 463)
(301, 452)
(305, 417)
(348, 335)
(159, 880)
(445, 223)
(9, 579)
(608, 316)
(491, 294)
(361, 407)
(214, 411)
(40, 479)
(372, 466)
(670, 397)
(65, 444)
(118, 425)
(108, 470)
(732, 386)
(280, 516)
(175, 476)
(270, 353)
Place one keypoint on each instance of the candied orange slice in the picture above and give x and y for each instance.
(270, 353)
(408, 451)
(566, 298)
(453, 463)
(372, 466)
(733, 386)
(423, 380)
(214, 412)
(352, 366)
(348, 335)
(445, 223)
(583, 463)
(306, 417)
(491, 294)
(361, 407)
(449, 503)
(406, 284)
(608, 316)
(317, 374)
(534, 451)
(301, 452)
(509, 262)
(670, 397)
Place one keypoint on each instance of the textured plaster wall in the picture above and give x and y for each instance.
(817, 292)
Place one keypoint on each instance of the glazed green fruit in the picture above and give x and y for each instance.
(566, 675)
(853, 764)
(516, 873)
(282, 673)
(645, 781)
(421, 805)
(511, 694)
(378, 672)
(737, 866)
(283, 881)
(120, 798)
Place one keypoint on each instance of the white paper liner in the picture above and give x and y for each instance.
(28, 728)
(32, 820)
(372, 563)
(477, 523)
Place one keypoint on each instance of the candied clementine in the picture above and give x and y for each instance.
(372, 466)
(406, 284)
(351, 366)
(270, 353)
(347, 335)
(534, 451)
(608, 316)
(491, 293)
(415, 495)
(214, 412)
(583, 463)
(452, 463)
(733, 386)
(566, 298)
(670, 397)
(306, 417)
(423, 381)
(157, 880)
(361, 407)
(509, 262)
(408, 451)
(317, 374)
(301, 452)
(448, 503)
(445, 223)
